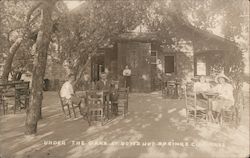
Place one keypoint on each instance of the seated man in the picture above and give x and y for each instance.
(103, 83)
(68, 95)
(225, 100)
(114, 98)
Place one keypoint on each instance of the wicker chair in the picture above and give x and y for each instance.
(232, 116)
(63, 105)
(22, 95)
(95, 106)
(171, 88)
(122, 101)
(193, 111)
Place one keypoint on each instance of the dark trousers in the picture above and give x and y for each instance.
(114, 100)
(127, 81)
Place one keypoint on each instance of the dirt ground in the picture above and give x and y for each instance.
(154, 128)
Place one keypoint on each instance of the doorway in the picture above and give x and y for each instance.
(97, 67)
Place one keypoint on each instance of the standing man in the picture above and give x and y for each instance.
(127, 76)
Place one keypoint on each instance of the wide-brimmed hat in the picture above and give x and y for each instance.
(221, 76)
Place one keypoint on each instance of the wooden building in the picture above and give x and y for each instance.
(196, 52)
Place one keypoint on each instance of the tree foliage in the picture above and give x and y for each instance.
(96, 23)
(18, 29)
(82, 32)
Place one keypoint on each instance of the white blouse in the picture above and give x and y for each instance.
(225, 91)
(126, 72)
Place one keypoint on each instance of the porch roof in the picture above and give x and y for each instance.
(137, 36)
(203, 37)
(215, 51)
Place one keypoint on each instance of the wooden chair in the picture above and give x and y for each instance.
(75, 106)
(228, 116)
(64, 104)
(193, 111)
(240, 105)
(114, 84)
(232, 116)
(8, 98)
(95, 105)
(3, 104)
(22, 95)
(164, 89)
(171, 91)
(122, 101)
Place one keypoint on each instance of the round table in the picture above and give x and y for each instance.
(210, 95)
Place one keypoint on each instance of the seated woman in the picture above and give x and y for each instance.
(225, 99)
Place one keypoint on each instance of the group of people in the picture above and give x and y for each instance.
(223, 88)
(224, 99)
(67, 92)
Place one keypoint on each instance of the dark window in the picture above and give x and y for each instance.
(169, 64)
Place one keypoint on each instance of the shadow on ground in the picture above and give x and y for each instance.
(154, 128)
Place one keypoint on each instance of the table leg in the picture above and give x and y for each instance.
(4, 106)
(209, 113)
(106, 102)
(107, 109)
(177, 91)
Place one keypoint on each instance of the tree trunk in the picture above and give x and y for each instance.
(9, 60)
(42, 45)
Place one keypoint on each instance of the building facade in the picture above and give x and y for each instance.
(195, 53)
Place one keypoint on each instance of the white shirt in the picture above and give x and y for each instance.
(225, 91)
(126, 72)
(67, 90)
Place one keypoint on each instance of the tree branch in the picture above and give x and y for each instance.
(30, 12)
(34, 18)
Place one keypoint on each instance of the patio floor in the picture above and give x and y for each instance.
(154, 128)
